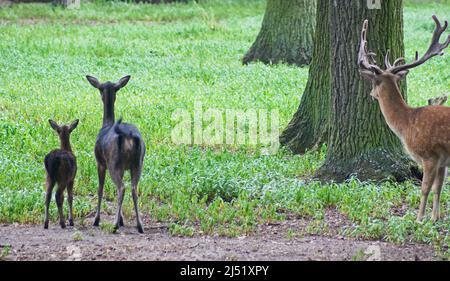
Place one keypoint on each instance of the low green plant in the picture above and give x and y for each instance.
(108, 227)
(178, 55)
(6, 249)
(176, 229)
(77, 236)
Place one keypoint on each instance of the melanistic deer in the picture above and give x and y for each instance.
(424, 131)
(61, 168)
(119, 147)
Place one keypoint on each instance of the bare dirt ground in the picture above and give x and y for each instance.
(269, 242)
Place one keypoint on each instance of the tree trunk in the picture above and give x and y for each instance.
(286, 33)
(309, 127)
(360, 143)
(64, 3)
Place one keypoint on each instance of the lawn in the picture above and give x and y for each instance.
(178, 55)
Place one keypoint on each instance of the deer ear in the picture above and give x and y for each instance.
(73, 125)
(122, 82)
(402, 75)
(367, 75)
(54, 125)
(94, 81)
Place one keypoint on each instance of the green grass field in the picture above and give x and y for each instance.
(177, 55)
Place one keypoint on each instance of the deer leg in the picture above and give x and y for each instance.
(429, 174)
(59, 196)
(120, 195)
(121, 219)
(70, 201)
(437, 188)
(101, 170)
(117, 177)
(135, 175)
(48, 197)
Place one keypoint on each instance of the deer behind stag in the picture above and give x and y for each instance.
(424, 131)
(119, 147)
(61, 168)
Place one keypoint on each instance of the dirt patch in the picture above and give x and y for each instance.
(270, 242)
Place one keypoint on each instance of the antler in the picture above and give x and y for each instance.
(435, 49)
(364, 57)
(387, 61)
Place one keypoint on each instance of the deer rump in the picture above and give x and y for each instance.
(60, 165)
(120, 146)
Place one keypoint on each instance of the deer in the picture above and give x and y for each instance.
(61, 168)
(423, 131)
(119, 147)
(438, 101)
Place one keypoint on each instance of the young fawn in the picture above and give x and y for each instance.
(61, 168)
(424, 131)
(119, 147)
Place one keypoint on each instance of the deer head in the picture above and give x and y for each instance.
(64, 132)
(389, 77)
(108, 92)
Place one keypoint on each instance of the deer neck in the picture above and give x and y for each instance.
(108, 114)
(65, 144)
(394, 108)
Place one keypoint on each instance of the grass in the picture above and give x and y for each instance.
(359, 256)
(118, 11)
(77, 236)
(177, 55)
(107, 227)
(5, 250)
(181, 230)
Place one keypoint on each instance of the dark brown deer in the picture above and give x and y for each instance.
(424, 131)
(119, 147)
(61, 168)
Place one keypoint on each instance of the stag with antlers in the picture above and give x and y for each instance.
(424, 131)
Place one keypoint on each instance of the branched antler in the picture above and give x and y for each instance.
(435, 49)
(366, 60)
(396, 62)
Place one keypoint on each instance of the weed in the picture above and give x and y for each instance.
(107, 227)
(77, 236)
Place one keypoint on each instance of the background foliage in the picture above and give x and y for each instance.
(178, 54)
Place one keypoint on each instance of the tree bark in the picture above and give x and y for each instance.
(360, 143)
(309, 127)
(64, 3)
(286, 33)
